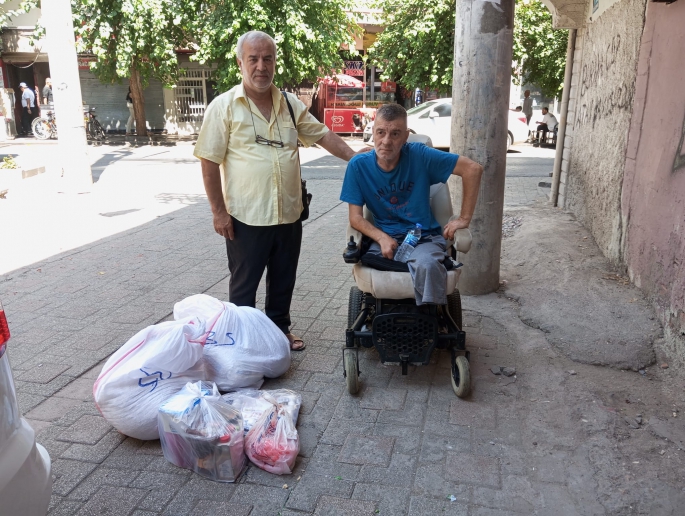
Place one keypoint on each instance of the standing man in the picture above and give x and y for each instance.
(28, 107)
(250, 166)
(47, 92)
(527, 106)
(418, 97)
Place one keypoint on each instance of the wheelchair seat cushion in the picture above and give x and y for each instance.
(392, 284)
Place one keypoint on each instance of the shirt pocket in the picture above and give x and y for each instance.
(289, 133)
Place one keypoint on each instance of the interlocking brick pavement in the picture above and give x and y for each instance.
(403, 445)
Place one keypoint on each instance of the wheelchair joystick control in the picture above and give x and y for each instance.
(352, 252)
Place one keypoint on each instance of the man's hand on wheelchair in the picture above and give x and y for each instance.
(452, 226)
(388, 246)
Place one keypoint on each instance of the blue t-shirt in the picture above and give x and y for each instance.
(399, 199)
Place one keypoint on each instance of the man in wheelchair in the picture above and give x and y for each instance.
(394, 183)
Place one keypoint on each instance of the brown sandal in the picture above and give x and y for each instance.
(293, 339)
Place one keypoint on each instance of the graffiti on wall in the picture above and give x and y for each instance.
(593, 73)
(679, 161)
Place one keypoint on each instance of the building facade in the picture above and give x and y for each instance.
(623, 166)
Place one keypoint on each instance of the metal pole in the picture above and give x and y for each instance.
(561, 135)
(72, 145)
(480, 99)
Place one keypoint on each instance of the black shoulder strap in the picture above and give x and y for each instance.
(292, 115)
(290, 108)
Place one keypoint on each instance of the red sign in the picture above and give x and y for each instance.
(84, 62)
(388, 87)
(343, 120)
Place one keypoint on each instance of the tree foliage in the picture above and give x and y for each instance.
(7, 14)
(416, 48)
(539, 50)
(309, 35)
(135, 39)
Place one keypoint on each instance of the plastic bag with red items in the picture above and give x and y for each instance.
(201, 432)
(272, 444)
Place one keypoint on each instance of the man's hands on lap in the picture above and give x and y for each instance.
(388, 246)
(452, 226)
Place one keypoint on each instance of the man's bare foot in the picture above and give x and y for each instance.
(296, 343)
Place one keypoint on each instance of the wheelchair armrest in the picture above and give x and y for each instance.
(462, 240)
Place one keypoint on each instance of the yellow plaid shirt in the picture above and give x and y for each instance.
(261, 183)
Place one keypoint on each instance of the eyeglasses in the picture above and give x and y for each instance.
(273, 143)
(260, 139)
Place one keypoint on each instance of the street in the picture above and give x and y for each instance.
(559, 437)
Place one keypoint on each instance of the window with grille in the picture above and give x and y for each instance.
(191, 95)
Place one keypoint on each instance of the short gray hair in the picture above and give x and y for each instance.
(253, 34)
(390, 112)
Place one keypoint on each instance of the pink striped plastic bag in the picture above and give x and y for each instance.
(152, 366)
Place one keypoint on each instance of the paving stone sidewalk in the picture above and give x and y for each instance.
(404, 445)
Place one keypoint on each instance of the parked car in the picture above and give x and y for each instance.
(434, 118)
(25, 468)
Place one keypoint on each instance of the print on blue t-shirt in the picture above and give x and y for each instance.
(399, 199)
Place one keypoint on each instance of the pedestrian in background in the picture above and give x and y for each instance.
(548, 123)
(250, 166)
(131, 114)
(47, 92)
(418, 97)
(527, 106)
(28, 108)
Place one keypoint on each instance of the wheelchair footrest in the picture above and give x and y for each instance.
(405, 338)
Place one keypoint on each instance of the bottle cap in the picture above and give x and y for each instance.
(419, 226)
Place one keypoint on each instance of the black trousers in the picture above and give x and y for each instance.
(255, 248)
(27, 118)
(544, 129)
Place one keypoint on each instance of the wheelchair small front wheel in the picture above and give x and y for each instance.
(461, 377)
(351, 370)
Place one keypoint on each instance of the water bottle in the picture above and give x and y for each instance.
(408, 245)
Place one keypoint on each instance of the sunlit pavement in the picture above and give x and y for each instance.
(85, 272)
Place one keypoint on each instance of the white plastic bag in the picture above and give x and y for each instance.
(252, 403)
(273, 443)
(152, 366)
(243, 345)
(201, 432)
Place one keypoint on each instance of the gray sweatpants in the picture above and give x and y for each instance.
(426, 268)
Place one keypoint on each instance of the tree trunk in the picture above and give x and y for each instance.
(138, 101)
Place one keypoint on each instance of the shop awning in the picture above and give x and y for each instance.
(342, 80)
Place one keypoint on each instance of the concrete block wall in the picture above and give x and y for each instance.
(605, 67)
(570, 118)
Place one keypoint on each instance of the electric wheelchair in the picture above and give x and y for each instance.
(382, 311)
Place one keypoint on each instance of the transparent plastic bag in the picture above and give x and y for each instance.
(273, 443)
(243, 345)
(201, 432)
(252, 404)
(141, 375)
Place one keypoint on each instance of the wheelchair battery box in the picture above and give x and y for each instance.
(405, 338)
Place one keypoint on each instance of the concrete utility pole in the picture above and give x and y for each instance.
(72, 144)
(483, 46)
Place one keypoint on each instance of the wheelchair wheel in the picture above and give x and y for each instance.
(351, 371)
(41, 128)
(354, 308)
(461, 377)
(454, 307)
